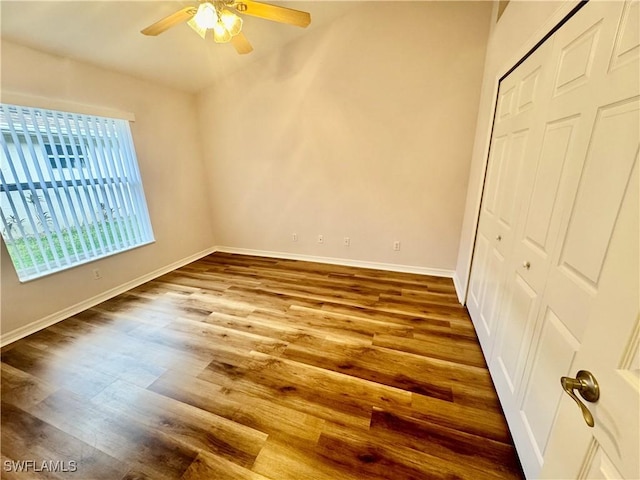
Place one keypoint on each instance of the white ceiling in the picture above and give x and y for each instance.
(107, 33)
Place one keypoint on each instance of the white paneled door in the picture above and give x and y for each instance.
(515, 135)
(564, 294)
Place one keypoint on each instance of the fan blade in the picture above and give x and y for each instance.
(241, 44)
(273, 12)
(168, 22)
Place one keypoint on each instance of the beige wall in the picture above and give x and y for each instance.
(169, 156)
(520, 27)
(362, 129)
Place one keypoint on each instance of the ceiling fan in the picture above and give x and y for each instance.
(218, 16)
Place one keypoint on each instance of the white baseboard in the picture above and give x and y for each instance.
(56, 317)
(391, 267)
(460, 290)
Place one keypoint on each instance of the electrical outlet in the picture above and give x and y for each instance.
(346, 241)
(294, 237)
(97, 274)
(396, 246)
(320, 238)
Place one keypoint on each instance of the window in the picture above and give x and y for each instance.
(70, 189)
(64, 157)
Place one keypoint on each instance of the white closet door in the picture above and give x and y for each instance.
(514, 138)
(577, 178)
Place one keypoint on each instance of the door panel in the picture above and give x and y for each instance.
(555, 149)
(491, 290)
(476, 283)
(576, 60)
(627, 47)
(520, 308)
(600, 466)
(510, 179)
(528, 90)
(505, 103)
(493, 185)
(601, 189)
(553, 357)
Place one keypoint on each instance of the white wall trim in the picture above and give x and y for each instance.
(461, 290)
(391, 267)
(56, 317)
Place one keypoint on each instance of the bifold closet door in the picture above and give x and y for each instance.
(564, 278)
(516, 133)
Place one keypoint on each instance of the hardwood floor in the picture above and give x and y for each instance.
(239, 367)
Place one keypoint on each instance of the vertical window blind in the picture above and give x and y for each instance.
(70, 189)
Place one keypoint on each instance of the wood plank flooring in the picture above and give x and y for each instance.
(240, 367)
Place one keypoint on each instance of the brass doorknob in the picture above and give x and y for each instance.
(587, 386)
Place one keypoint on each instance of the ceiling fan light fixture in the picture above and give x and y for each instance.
(220, 33)
(231, 21)
(206, 16)
(196, 28)
(220, 17)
